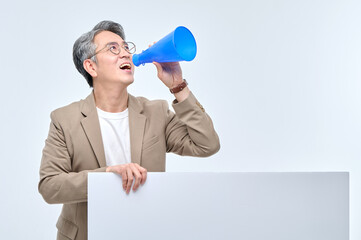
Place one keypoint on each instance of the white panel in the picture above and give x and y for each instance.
(255, 206)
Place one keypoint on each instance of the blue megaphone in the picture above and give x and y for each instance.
(178, 45)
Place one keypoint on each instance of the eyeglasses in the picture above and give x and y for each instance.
(115, 48)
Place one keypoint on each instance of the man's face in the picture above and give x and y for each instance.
(112, 68)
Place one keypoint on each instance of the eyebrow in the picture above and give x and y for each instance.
(109, 43)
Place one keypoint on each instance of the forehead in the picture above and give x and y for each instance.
(105, 37)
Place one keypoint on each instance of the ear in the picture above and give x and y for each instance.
(90, 67)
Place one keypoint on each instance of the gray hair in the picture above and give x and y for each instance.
(84, 47)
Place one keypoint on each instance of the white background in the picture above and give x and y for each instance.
(281, 80)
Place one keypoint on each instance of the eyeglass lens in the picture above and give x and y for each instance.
(128, 46)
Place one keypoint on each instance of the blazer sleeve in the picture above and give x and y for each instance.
(58, 184)
(190, 131)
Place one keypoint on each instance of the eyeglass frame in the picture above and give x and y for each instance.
(120, 46)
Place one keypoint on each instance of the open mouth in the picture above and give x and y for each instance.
(125, 66)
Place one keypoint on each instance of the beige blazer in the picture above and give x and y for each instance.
(74, 147)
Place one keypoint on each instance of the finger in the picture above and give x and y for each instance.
(130, 179)
(137, 176)
(159, 68)
(124, 179)
(143, 172)
(152, 44)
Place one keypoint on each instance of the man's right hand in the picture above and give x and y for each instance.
(130, 172)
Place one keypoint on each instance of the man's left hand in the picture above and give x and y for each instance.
(169, 73)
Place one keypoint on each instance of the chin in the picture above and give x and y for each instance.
(128, 81)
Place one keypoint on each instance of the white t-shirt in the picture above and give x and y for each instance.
(115, 133)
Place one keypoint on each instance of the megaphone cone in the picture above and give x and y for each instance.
(178, 45)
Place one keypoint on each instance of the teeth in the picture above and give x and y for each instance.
(125, 65)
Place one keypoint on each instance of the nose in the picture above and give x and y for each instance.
(124, 53)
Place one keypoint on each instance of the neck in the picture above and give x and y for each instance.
(111, 98)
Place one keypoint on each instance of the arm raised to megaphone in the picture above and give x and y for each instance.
(170, 73)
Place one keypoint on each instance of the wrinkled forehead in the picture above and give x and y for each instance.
(105, 37)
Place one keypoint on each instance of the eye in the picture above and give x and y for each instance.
(114, 48)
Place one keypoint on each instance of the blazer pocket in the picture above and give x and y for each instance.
(67, 228)
(150, 142)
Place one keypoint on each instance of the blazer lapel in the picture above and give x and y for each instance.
(136, 128)
(91, 128)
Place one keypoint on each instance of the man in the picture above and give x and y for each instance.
(112, 131)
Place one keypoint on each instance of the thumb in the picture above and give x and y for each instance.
(159, 68)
